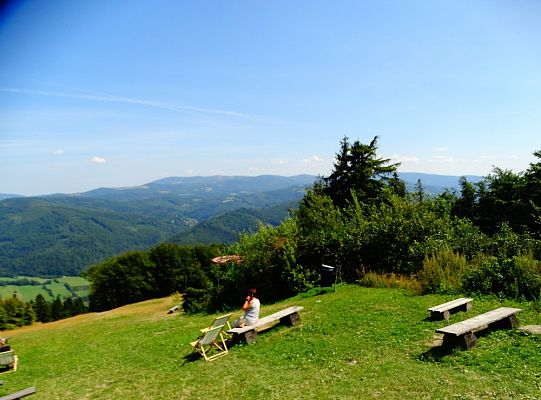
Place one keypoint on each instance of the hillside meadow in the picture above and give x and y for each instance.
(353, 343)
(48, 288)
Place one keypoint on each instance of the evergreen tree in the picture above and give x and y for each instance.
(419, 193)
(78, 306)
(4, 318)
(337, 184)
(42, 309)
(466, 206)
(15, 310)
(67, 308)
(57, 309)
(532, 194)
(29, 316)
(358, 170)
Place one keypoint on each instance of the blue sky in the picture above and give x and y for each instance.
(120, 93)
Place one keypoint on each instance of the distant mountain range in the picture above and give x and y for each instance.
(63, 234)
(4, 196)
(435, 184)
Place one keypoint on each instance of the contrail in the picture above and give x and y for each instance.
(127, 100)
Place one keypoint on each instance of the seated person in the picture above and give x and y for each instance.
(250, 308)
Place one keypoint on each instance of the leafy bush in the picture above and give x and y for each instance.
(15, 313)
(401, 233)
(443, 272)
(196, 300)
(270, 263)
(518, 277)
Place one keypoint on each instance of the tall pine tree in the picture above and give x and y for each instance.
(359, 171)
(42, 309)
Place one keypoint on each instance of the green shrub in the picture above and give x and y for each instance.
(518, 277)
(270, 263)
(196, 300)
(442, 272)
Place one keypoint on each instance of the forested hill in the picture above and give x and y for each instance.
(226, 228)
(64, 234)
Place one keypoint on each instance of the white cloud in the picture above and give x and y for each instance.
(279, 162)
(98, 160)
(313, 160)
(446, 159)
(58, 152)
(399, 158)
(440, 149)
(489, 157)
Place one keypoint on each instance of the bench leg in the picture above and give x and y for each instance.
(250, 337)
(507, 323)
(466, 341)
(439, 315)
(291, 319)
(467, 307)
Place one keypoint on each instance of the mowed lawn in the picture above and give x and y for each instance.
(355, 343)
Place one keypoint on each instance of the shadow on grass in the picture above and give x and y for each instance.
(191, 357)
(317, 291)
(436, 353)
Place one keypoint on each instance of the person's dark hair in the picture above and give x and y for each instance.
(252, 292)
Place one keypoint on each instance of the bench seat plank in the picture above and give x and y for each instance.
(451, 304)
(267, 320)
(288, 316)
(478, 322)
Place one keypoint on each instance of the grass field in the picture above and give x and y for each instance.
(55, 286)
(355, 343)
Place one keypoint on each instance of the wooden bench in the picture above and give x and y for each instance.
(20, 394)
(462, 333)
(443, 311)
(173, 309)
(289, 316)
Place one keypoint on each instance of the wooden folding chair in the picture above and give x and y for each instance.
(212, 340)
(8, 361)
(220, 321)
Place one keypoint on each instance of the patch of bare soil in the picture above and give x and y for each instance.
(531, 329)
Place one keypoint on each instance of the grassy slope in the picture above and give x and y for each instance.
(355, 343)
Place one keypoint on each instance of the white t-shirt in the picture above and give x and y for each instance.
(252, 314)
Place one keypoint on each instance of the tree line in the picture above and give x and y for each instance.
(362, 220)
(15, 312)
